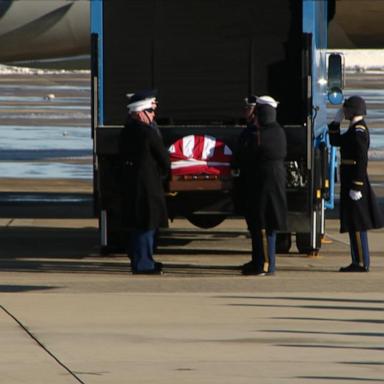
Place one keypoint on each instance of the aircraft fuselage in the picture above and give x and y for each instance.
(42, 29)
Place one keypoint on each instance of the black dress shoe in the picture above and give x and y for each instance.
(148, 272)
(158, 265)
(250, 264)
(353, 268)
(250, 269)
(157, 270)
(257, 273)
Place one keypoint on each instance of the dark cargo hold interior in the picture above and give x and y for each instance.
(203, 56)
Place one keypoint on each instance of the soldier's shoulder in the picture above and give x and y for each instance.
(361, 129)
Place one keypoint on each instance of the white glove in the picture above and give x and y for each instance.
(339, 116)
(235, 172)
(355, 195)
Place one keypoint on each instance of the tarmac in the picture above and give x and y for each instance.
(70, 315)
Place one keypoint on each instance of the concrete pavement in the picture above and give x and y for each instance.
(69, 315)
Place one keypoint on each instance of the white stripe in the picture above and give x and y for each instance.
(227, 150)
(187, 163)
(194, 163)
(172, 149)
(209, 147)
(188, 145)
(314, 228)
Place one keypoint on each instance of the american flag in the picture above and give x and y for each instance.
(197, 154)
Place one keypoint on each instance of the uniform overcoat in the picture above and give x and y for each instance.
(145, 166)
(262, 180)
(362, 214)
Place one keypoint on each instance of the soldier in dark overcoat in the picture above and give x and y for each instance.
(359, 210)
(259, 158)
(145, 165)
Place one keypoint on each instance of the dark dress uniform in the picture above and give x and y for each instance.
(262, 187)
(356, 216)
(145, 164)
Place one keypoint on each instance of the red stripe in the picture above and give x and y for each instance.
(198, 147)
(218, 156)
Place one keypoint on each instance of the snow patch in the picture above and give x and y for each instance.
(11, 70)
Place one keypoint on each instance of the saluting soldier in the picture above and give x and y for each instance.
(262, 181)
(359, 210)
(145, 163)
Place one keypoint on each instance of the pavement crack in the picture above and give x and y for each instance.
(40, 344)
(9, 223)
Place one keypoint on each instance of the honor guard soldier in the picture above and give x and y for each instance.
(359, 210)
(262, 181)
(145, 163)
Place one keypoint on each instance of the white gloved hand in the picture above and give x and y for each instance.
(235, 172)
(339, 116)
(355, 195)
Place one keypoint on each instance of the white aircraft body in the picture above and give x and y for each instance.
(43, 29)
(46, 29)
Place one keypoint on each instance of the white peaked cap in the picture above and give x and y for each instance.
(267, 100)
(140, 105)
(141, 100)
